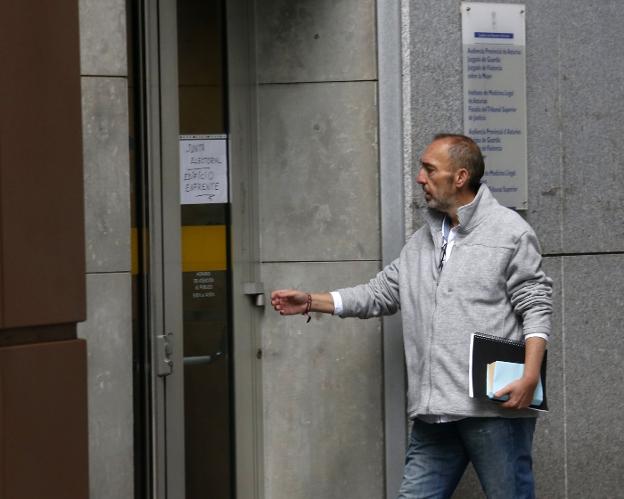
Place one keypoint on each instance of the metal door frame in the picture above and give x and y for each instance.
(247, 292)
(164, 274)
(164, 267)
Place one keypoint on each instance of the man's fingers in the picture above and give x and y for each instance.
(518, 398)
(288, 301)
(503, 391)
(278, 296)
(283, 293)
(507, 390)
(289, 295)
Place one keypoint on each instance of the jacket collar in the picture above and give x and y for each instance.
(469, 215)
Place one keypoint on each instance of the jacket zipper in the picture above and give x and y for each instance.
(432, 334)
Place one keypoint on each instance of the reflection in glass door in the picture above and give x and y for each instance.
(206, 278)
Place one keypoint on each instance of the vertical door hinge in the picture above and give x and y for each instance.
(164, 349)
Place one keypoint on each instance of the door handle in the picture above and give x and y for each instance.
(164, 351)
(202, 359)
(255, 290)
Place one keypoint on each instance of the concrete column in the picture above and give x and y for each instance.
(319, 216)
(108, 328)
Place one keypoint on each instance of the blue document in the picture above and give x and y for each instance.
(500, 374)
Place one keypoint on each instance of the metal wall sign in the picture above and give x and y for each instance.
(203, 169)
(493, 39)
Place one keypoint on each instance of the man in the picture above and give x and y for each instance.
(475, 266)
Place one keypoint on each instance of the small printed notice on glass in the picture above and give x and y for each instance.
(493, 36)
(203, 169)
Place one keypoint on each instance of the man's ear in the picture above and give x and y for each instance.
(461, 178)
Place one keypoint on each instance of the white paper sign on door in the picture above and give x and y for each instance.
(203, 169)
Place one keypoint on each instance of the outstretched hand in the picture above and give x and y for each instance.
(289, 301)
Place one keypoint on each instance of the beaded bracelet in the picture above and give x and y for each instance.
(308, 308)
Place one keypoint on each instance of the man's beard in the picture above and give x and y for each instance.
(443, 204)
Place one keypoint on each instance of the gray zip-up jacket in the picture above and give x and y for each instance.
(492, 283)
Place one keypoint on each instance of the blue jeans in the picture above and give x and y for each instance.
(499, 449)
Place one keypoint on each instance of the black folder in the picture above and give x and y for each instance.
(485, 349)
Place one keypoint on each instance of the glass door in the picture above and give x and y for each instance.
(198, 376)
(205, 229)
